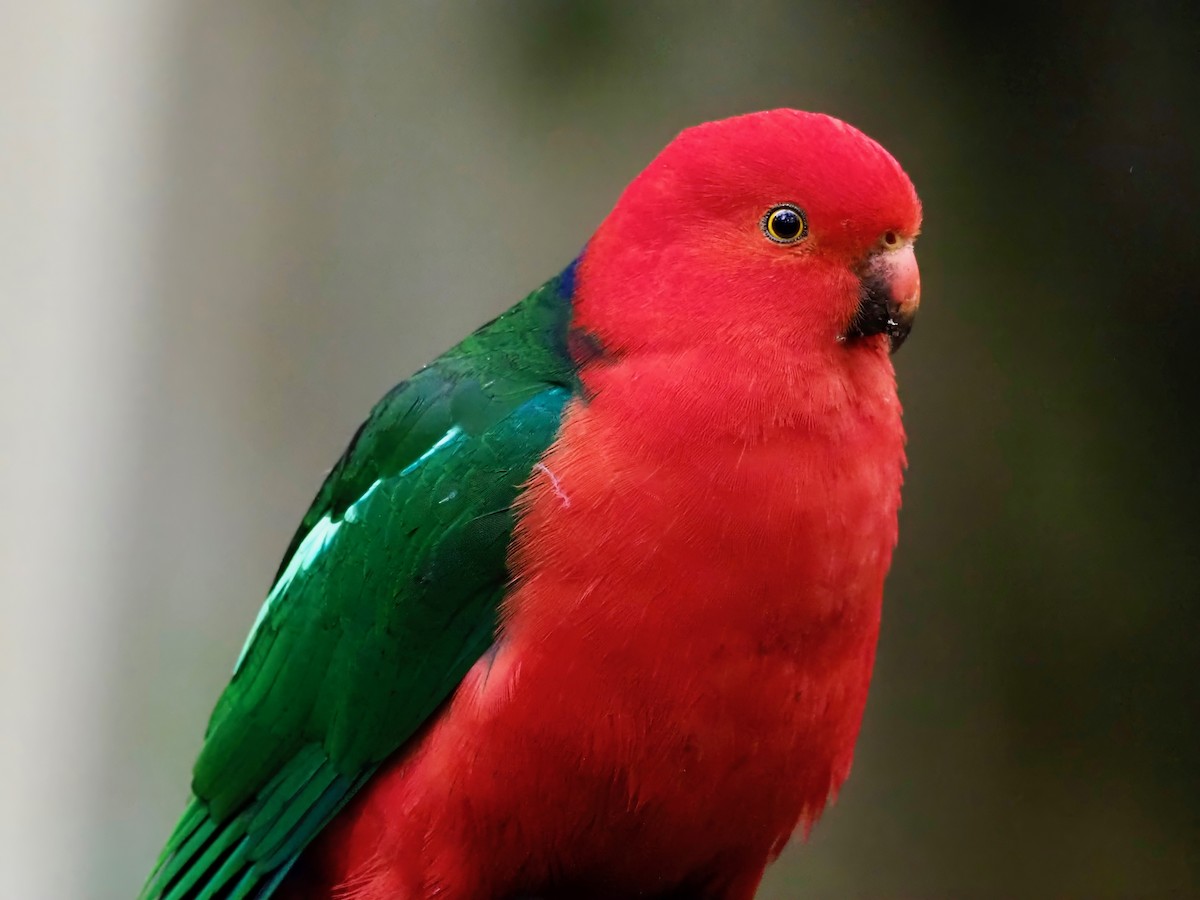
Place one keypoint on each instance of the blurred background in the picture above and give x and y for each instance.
(226, 228)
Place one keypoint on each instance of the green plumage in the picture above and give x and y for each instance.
(385, 598)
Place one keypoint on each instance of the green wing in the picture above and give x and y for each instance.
(385, 599)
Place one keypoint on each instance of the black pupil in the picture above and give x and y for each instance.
(786, 223)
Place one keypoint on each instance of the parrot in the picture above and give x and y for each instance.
(589, 606)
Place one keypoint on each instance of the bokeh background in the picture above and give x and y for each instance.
(227, 227)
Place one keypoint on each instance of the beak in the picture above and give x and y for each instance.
(889, 295)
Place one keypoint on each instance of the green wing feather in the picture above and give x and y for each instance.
(384, 600)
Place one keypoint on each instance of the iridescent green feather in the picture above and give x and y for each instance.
(385, 598)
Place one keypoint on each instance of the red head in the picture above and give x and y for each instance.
(780, 228)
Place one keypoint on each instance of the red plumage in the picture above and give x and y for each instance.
(700, 559)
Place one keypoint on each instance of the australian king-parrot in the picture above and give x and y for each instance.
(588, 608)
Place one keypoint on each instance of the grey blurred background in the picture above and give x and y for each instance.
(226, 228)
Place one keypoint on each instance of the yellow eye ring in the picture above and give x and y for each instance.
(785, 224)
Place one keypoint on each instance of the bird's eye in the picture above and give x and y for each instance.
(785, 224)
(891, 240)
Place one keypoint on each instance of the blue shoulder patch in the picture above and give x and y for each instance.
(566, 281)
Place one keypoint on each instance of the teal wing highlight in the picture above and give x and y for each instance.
(384, 600)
